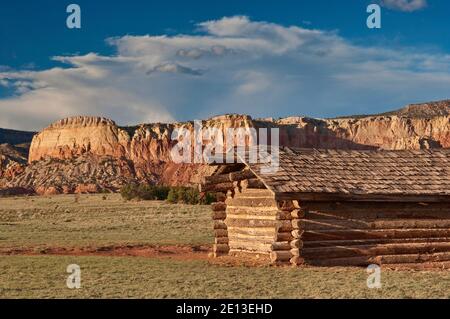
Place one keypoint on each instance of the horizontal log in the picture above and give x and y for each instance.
(241, 175)
(286, 205)
(282, 215)
(380, 260)
(280, 225)
(283, 226)
(250, 246)
(216, 179)
(253, 215)
(317, 215)
(329, 224)
(221, 248)
(220, 233)
(255, 193)
(218, 224)
(222, 187)
(261, 256)
(383, 198)
(254, 231)
(374, 250)
(221, 197)
(357, 210)
(285, 245)
(374, 234)
(253, 183)
(441, 265)
(297, 243)
(219, 215)
(245, 237)
(355, 242)
(256, 213)
(229, 168)
(230, 177)
(265, 202)
(416, 258)
(283, 236)
(280, 256)
(221, 240)
(218, 207)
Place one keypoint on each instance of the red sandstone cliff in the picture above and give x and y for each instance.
(89, 154)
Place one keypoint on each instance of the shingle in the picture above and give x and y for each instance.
(360, 172)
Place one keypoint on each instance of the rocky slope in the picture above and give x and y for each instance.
(12, 161)
(91, 154)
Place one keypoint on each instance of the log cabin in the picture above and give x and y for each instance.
(335, 208)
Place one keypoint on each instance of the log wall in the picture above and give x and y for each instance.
(363, 233)
(251, 221)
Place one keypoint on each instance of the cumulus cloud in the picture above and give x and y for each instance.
(174, 68)
(232, 65)
(405, 5)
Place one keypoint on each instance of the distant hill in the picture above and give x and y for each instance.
(14, 137)
(419, 110)
(424, 110)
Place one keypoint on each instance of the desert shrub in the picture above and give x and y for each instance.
(172, 197)
(161, 192)
(181, 195)
(145, 192)
(208, 199)
(129, 192)
(189, 195)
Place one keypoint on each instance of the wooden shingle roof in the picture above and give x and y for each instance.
(347, 174)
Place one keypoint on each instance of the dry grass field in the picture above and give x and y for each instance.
(158, 250)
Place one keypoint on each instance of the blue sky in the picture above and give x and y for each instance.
(144, 61)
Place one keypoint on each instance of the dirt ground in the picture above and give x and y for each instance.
(175, 252)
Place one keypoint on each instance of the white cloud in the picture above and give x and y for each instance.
(233, 65)
(405, 5)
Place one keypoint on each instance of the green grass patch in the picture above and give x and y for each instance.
(98, 220)
(112, 277)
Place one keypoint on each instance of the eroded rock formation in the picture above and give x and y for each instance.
(91, 154)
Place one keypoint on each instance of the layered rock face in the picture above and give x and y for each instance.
(12, 162)
(71, 137)
(90, 154)
(379, 132)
